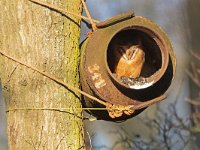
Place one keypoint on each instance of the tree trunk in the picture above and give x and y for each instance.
(48, 41)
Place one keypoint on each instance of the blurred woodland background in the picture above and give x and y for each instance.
(173, 124)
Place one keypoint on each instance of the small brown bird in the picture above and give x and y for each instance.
(129, 60)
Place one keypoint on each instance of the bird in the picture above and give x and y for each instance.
(129, 60)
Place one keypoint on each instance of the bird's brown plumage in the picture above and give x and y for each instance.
(129, 60)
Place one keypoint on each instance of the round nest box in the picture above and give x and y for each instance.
(128, 60)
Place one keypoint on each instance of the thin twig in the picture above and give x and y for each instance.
(193, 102)
(94, 28)
(195, 55)
(90, 141)
(195, 80)
(62, 10)
(193, 70)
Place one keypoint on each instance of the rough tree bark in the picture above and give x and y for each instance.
(49, 41)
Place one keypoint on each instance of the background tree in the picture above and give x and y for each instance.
(193, 7)
(49, 41)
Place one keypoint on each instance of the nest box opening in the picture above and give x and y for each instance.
(136, 55)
